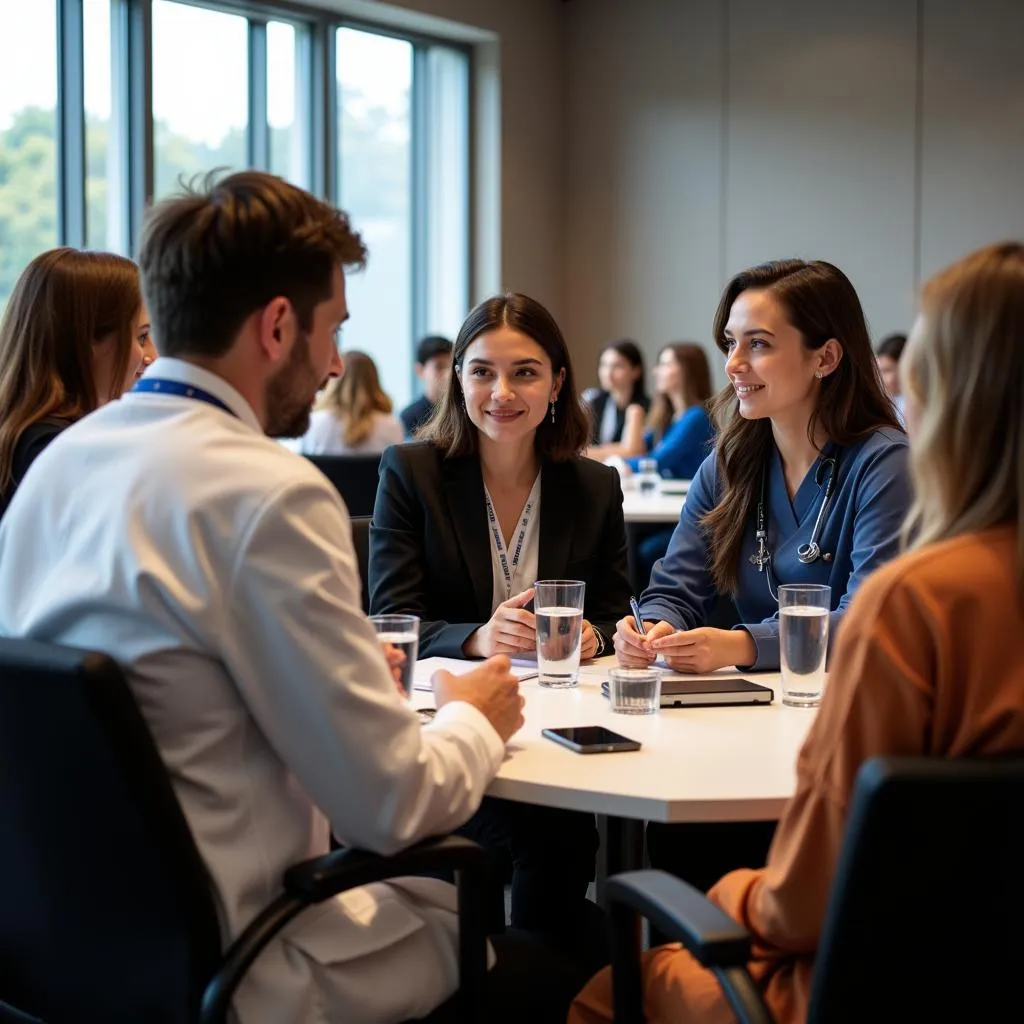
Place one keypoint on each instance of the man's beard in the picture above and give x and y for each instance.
(290, 393)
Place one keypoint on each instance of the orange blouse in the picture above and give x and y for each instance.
(928, 662)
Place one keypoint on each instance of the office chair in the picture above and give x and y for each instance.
(361, 542)
(354, 477)
(106, 910)
(924, 919)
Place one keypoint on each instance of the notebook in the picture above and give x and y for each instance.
(691, 692)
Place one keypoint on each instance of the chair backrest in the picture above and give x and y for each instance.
(925, 916)
(106, 912)
(354, 477)
(361, 542)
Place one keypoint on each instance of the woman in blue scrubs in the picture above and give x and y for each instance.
(808, 483)
(805, 424)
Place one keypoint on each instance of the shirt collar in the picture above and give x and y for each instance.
(166, 368)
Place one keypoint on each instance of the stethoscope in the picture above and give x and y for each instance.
(811, 551)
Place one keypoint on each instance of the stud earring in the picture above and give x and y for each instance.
(818, 374)
(552, 411)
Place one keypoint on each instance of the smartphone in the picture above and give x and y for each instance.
(590, 739)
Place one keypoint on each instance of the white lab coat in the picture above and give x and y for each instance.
(218, 568)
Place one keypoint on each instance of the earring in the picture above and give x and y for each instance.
(552, 411)
(818, 374)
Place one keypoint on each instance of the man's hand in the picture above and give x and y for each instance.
(490, 688)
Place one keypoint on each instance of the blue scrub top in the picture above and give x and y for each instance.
(861, 531)
(683, 448)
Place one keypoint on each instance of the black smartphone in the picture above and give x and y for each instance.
(590, 739)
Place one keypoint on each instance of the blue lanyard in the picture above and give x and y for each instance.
(157, 386)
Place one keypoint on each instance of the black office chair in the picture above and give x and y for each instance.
(106, 911)
(361, 542)
(924, 921)
(355, 478)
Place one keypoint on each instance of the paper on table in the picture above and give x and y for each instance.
(522, 668)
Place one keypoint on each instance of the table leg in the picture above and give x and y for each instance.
(621, 849)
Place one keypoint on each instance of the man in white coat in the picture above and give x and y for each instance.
(171, 532)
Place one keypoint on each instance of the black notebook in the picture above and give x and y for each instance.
(695, 691)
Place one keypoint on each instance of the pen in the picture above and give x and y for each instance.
(634, 607)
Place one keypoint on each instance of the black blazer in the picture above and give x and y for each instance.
(430, 549)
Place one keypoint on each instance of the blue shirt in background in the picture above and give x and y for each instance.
(683, 448)
(861, 531)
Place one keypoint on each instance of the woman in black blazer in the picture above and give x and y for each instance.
(493, 497)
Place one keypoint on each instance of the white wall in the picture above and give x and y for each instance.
(706, 135)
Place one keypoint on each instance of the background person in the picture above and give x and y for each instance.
(353, 416)
(887, 356)
(618, 407)
(433, 362)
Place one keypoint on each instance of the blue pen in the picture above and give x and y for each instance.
(634, 607)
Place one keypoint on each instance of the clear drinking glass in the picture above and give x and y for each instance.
(558, 608)
(403, 633)
(647, 480)
(803, 641)
(634, 691)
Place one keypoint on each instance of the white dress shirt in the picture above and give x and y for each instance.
(218, 569)
(522, 571)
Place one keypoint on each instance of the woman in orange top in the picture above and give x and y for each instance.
(921, 666)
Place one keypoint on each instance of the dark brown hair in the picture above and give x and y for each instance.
(696, 373)
(630, 351)
(451, 429)
(820, 302)
(220, 251)
(355, 396)
(64, 302)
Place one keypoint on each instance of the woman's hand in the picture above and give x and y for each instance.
(705, 649)
(631, 648)
(511, 630)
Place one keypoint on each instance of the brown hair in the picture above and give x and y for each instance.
(963, 368)
(696, 373)
(451, 429)
(821, 303)
(220, 251)
(355, 396)
(64, 302)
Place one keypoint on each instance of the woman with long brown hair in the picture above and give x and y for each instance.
(354, 415)
(73, 336)
(804, 426)
(922, 667)
(808, 483)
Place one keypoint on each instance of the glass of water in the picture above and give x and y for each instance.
(647, 479)
(403, 633)
(634, 691)
(803, 641)
(558, 609)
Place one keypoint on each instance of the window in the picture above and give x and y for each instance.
(227, 84)
(446, 187)
(104, 136)
(289, 137)
(374, 165)
(28, 130)
(200, 92)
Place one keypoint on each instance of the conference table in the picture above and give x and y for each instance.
(663, 506)
(703, 764)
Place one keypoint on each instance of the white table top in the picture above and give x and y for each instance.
(651, 508)
(695, 764)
